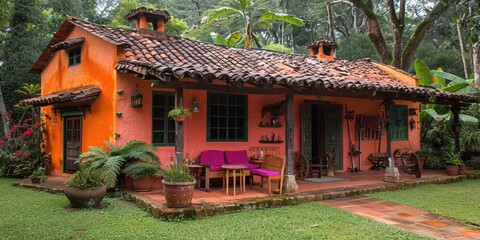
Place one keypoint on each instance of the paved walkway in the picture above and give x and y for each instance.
(405, 217)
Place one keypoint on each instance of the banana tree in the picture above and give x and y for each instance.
(252, 14)
(231, 40)
(438, 79)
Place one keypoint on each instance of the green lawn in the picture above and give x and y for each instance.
(31, 214)
(459, 201)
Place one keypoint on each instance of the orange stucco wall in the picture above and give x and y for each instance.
(96, 69)
(136, 123)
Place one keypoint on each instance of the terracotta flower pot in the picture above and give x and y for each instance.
(179, 119)
(84, 198)
(451, 170)
(144, 184)
(178, 195)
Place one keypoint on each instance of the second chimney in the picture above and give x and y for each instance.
(323, 49)
(143, 16)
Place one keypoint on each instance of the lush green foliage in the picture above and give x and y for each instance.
(177, 173)
(452, 159)
(115, 158)
(85, 177)
(44, 216)
(456, 200)
(141, 169)
(180, 112)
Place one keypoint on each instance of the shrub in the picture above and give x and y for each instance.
(141, 169)
(177, 173)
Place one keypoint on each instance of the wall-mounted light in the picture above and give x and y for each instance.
(136, 98)
(413, 124)
(195, 105)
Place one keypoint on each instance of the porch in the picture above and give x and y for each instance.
(217, 202)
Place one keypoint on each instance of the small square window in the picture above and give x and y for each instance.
(74, 56)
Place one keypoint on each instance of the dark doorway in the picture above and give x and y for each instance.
(72, 144)
(322, 131)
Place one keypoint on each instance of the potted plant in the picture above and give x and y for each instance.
(85, 188)
(452, 162)
(116, 158)
(178, 185)
(38, 175)
(472, 142)
(179, 114)
(143, 175)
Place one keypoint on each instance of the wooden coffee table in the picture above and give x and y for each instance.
(234, 168)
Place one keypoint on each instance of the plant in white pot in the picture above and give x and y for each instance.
(178, 185)
(179, 114)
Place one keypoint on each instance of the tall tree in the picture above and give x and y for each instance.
(25, 40)
(402, 56)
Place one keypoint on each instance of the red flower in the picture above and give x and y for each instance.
(27, 133)
(17, 154)
(27, 154)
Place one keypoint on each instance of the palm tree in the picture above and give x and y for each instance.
(253, 14)
(115, 158)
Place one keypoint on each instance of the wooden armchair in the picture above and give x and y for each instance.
(212, 160)
(273, 168)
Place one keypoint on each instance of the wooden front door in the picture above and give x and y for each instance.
(321, 128)
(72, 144)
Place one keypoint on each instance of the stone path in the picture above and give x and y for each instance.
(405, 217)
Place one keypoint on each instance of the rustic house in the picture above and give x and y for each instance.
(101, 83)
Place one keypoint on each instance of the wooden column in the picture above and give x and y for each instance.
(456, 127)
(290, 183)
(179, 127)
(391, 172)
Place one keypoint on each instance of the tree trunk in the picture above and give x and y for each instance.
(476, 63)
(374, 30)
(3, 112)
(462, 49)
(330, 21)
(421, 31)
(397, 24)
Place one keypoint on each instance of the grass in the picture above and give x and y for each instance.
(31, 214)
(458, 201)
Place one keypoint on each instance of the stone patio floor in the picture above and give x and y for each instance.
(405, 217)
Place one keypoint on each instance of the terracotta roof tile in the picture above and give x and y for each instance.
(78, 95)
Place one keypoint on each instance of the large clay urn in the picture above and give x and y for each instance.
(85, 198)
(178, 194)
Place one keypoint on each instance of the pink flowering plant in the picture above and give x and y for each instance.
(22, 147)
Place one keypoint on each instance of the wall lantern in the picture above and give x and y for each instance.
(195, 105)
(413, 124)
(137, 100)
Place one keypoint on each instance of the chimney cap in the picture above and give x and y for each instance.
(152, 15)
(324, 42)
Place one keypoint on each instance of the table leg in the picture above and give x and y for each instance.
(226, 179)
(244, 176)
(234, 182)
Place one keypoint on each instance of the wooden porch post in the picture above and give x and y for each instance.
(391, 172)
(290, 185)
(456, 127)
(179, 127)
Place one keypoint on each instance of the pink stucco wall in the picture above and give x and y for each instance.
(137, 123)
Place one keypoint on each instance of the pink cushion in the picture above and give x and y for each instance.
(238, 158)
(264, 172)
(212, 157)
(215, 168)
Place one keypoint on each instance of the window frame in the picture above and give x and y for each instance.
(167, 108)
(72, 55)
(399, 128)
(245, 118)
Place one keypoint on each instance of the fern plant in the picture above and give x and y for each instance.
(115, 158)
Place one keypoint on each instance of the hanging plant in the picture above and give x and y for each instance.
(179, 114)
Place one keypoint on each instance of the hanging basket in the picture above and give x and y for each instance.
(179, 119)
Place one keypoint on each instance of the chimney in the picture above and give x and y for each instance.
(143, 16)
(323, 49)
